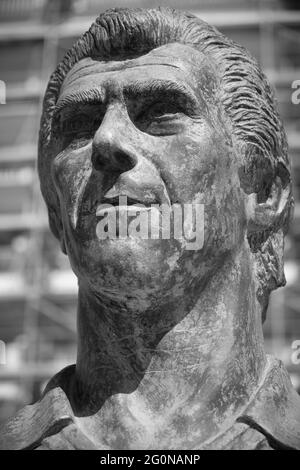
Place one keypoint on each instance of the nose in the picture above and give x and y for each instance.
(111, 150)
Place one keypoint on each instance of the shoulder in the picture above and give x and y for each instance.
(44, 418)
(274, 411)
(271, 418)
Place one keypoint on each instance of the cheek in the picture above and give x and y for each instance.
(71, 171)
(199, 162)
(205, 170)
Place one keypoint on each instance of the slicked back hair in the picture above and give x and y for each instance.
(245, 94)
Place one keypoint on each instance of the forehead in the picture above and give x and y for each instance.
(176, 63)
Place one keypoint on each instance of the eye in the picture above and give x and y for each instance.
(77, 124)
(75, 127)
(161, 111)
(161, 118)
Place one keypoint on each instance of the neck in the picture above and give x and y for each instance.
(209, 362)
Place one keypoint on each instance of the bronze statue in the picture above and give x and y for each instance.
(161, 108)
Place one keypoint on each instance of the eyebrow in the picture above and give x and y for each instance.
(139, 89)
(90, 96)
(135, 90)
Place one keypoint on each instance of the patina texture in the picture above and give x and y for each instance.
(160, 107)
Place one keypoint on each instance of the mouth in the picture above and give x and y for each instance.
(117, 213)
(122, 203)
(124, 200)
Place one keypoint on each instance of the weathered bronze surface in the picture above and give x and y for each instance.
(160, 107)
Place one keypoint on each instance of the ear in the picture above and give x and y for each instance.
(269, 209)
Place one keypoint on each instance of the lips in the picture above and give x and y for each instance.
(132, 198)
(115, 201)
(122, 203)
(135, 194)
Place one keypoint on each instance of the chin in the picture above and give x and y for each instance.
(129, 268)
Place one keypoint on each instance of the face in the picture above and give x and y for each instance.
(150, 129)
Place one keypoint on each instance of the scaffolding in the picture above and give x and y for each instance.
(43, 291)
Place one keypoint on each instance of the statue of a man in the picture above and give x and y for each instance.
(157, 107)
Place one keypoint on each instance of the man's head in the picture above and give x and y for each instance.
(161, 107)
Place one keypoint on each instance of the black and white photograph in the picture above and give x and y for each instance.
(149, 228)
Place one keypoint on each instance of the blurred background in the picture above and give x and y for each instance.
(37, 288)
